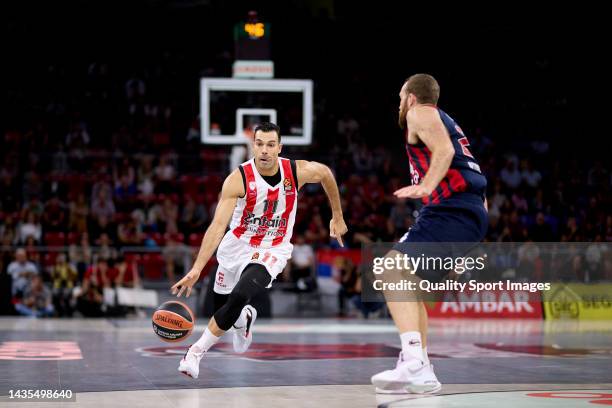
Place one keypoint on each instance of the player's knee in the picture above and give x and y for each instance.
(227, 315)
(240, 296)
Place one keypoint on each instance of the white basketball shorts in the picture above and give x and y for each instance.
(234, 255)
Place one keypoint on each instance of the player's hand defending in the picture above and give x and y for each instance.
(186, 283)
(337, 228)
(418, 191)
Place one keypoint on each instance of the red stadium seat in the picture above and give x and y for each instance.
(122, 217)
(133, 257)
(189, 185)
(49, 259)
(158, 238)
(55, 239)
(153, 266)
(73, 238)
(195, 240)
(178, 237)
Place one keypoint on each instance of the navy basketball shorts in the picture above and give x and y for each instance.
(458, 219)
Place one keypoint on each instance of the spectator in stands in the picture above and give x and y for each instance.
(126, 274)
(317, 232)
(400, 218)
(531, 177)
(6, 280)
(35, 206)
(8, 230)
(146, 175)
(81, 254)
(90, 301)
(102, 206)
(598, 175)
(373, 192)
(496, 201)
(302, 264)
(36, 301)
(366, 308)
(362, 160)
(537, 203)
(79, 211)
(11, 191)
(519, 201)
(528, 258)
(103, 226)
(78, 137)
(32, 250)
(348, 127)
(32, 185)
(176, 255)
(135, 88)
(104, 248)
(193, 217)
(101, 184)
(64, 277)
(510, 175)
(516, 227)
(124, 172)
(129, 232)
(60, 159)
(168, 217)
(594, 262)
(571, 232)
(30, 227)
(165, 174)
(541, 231)
(22, 271)
(54, 215)
(125, 193)
(348, 283)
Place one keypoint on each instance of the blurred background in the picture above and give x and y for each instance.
(105, 183)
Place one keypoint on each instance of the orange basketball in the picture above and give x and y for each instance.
(173, 321)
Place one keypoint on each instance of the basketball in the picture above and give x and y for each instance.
(173, 321)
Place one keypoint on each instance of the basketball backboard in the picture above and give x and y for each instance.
(229, 108)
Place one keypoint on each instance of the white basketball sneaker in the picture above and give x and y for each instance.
(243, 336)
(190, 363)
(409, 376)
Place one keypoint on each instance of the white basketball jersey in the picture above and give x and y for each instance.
(265, 216)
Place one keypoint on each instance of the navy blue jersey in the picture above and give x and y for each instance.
(464, 173)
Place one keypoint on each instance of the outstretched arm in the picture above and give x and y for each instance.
(428, 126)
(314, 172)
(232, 189)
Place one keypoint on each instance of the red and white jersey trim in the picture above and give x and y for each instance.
(265, 216)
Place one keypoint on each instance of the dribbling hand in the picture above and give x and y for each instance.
(186, 282)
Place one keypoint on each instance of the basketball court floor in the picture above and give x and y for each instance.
(307, 363)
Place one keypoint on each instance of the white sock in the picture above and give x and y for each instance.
(242, 319)
(412, 345)
(206, 341)
(425, 356)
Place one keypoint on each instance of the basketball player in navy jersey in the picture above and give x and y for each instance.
(259, 201)
(447, 178)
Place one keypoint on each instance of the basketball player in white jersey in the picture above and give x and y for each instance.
(260, 199)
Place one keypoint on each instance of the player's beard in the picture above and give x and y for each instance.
(401, 121)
